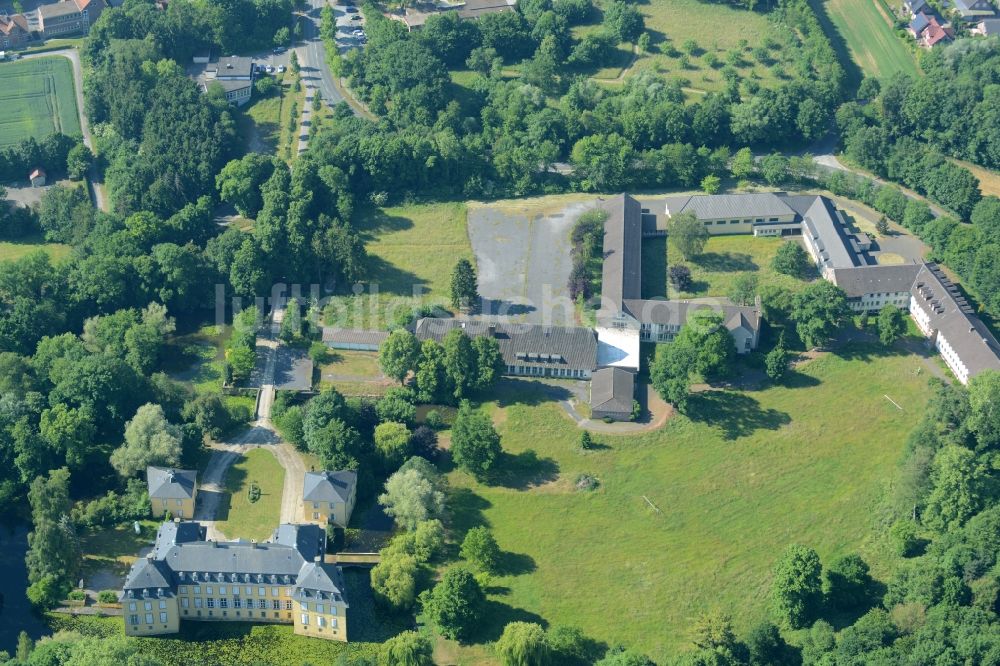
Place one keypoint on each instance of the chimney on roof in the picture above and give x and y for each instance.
(492, 330)
(461, 325)
(318, 559)
(253, 543)
(215, 544)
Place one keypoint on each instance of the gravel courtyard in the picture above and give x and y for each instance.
(523, 255)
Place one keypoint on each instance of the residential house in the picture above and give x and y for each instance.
(917, 26)
(914, 7)
(612, 392)
(935, 33)
(986, 27)
(234, 74)
(14, 31)
(973, 11)
(172, 490)
(328, 497)
(281, 581)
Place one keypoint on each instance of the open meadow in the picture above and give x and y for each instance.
(866, 28)
(12, 251)
(408, 246)
(734, 483)
(37, 99)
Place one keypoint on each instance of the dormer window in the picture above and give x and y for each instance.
(233, 578)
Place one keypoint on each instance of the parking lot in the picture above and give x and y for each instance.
(524, 261)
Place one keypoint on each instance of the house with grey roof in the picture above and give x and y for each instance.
(283, 580)
(532, 350)
(986, 27)
(972, 11)
(328, 498)
(871, 288)
(172, 490)
(353, 339)
(612, 394)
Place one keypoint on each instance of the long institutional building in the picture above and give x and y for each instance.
(843, 258)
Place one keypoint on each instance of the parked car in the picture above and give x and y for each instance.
(350, 8)
(278, 50)
(269, 69)
(281, 69)
(355, 17)
(358, 33)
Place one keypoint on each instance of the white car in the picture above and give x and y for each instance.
(358, 33)
(281, 69)
(269, 69)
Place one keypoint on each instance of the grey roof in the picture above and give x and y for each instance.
(990, 26)
(658, 311)
(229, 85)
(953, 318)
(148, 574)
(354, 336)
(309, 540)
(919, 22)
(612, 390)
(532, 345)
(974, 8)
(172, 533)
(916, 5)
(167, 483)
(319, 582)
(232, 66)
(294, 557)
(329, 486)
(622, 269)
(823, 224)
(861, 280)
(724, 206)
(58, 9)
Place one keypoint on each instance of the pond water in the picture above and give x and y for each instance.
(15, 612)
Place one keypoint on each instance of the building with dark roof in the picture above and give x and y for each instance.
(533, 350)
(626, 319)
(870, 288)
(283, 580)
(173, 490)
(612, 393)
(974, 10)
(946, 318)
(328, 497)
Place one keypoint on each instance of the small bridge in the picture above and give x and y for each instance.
(354, 559)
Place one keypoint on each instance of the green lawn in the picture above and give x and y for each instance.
(723, 259)
(241, 518)
(356, 363)
(746, 475)
(871, 40)
(408, 246)
(12, 251)
(37, 98)
(718, 28)
(114, 548)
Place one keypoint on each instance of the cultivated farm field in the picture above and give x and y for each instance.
(734, 483)
(873, 44)
(37, 98)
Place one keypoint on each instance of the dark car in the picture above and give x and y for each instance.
(350, 8)
(355, 17)
(278, 50)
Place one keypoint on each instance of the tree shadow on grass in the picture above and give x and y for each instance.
(796, 379)
(515, 564)
(466, 509)
(497, 615)
(390, 278)
(523, 470)
(528, 392)
(372, 221)
(729, 262)
(735, 415)
(854, 350)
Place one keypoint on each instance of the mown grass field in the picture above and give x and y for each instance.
(745, 475)
(713, 272)
(241, 518)
(37, 98)
(871, 40)
(13, 251)
(408, 246)
(989, 181)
